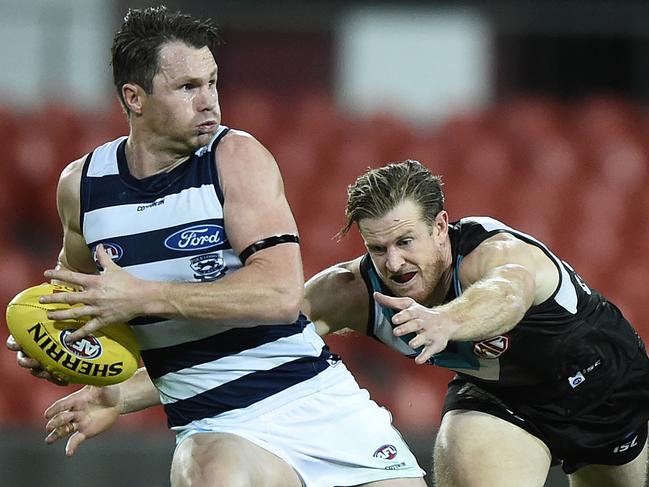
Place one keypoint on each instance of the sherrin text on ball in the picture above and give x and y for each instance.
(108, 356)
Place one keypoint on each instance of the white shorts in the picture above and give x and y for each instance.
(337, 436)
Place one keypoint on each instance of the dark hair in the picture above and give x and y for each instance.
(377, 191)
(137, 44)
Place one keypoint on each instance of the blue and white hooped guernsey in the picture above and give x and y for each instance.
(170, 227)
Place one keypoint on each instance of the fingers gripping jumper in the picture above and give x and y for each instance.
(265, 243)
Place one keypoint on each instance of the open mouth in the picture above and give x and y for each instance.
(403, 278)
(207, 126)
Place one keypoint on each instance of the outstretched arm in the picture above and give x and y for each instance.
(503, 277)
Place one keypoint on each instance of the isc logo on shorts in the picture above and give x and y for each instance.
(386, 452)
(626, 446)
(580, 376)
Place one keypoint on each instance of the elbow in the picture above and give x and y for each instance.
(288, 304)
(521, 287)
(279, 286)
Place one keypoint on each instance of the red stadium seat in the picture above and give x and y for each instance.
(253, 111)
(390, 134)
(600, 119)
(622, 163)
(315, 118)
(20, 270)
(552, 160)
(299, 163)
(526, 120)
(428, 148)
(62, 125)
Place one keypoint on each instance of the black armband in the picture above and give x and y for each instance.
(265, 243)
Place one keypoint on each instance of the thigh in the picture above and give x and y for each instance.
(222, 459)
(632, 474)
(475, 449)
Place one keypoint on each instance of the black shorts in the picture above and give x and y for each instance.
(613, 433)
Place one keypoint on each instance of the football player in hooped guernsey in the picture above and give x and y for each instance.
(548, 370)
(199, 252)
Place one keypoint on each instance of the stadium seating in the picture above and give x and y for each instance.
(572, 174)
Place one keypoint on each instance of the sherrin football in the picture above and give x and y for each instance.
(108, 356)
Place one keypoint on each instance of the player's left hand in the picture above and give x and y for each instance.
(34, 366)
(81, 415)
(431, 327)
(108, 298)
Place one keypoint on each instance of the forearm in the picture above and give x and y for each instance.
(249, 296)
(137, 393)
(492, 306)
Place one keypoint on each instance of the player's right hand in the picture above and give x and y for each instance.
(107, 298)
(34, 366)
(82, 415)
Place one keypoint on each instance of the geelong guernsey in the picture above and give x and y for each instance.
(170, 227)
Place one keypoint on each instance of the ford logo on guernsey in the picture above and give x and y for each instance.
(198, 237)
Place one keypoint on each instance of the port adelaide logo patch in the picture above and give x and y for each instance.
(492, 347)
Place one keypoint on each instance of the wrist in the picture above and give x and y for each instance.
(453, 324)
(155, 298)
(108, 396)
(123, 397)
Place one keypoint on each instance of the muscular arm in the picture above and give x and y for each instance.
(268, 289)
(502, 278)
(336, 299)
(74, 255)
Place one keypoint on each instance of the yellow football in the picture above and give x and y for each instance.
(108, 356)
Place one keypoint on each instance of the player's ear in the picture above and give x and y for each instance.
(134, 96)
(440, 224)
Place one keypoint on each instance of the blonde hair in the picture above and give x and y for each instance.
(377, 191)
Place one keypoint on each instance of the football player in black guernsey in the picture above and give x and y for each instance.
(548, 370)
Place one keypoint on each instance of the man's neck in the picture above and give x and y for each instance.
(441, 290)
(146, 160)
(438, 296)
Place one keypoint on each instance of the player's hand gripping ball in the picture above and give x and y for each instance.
(108, 356)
